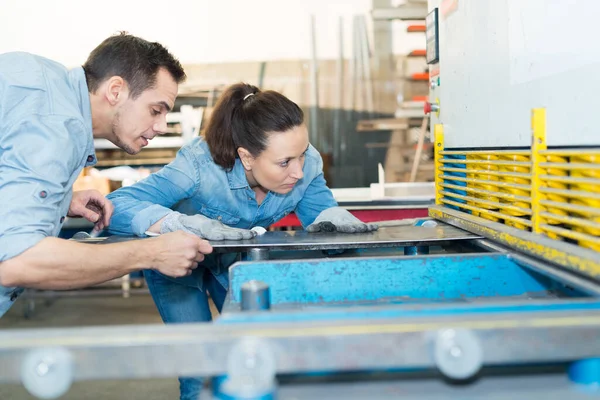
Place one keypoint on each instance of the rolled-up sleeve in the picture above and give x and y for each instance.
(139, 206)
(37, 161)
(318, 196)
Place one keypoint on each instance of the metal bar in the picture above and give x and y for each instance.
(486, 162)
(315, 135)
(538, 133)
(486, 211)
(571, 220)
(358, 77)
(577, 194)
(570, 152)
(486, 152)
(481, 171)
(571, 234)
(353, 74)
(366, 63)
(204, 349)
(261, 74)
(339, 100)
(494, 204)
(487, 182)
(438, 137)
(569, 256)
(570, 166)
(571, 207)
(488, 193)
(570, 179)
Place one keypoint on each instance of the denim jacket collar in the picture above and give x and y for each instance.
(80, 89)
(237, 176)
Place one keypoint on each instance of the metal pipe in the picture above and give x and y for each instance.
(571, 207)
(482, 152)
(570, 179)
(366, 63)
(569, 152)
(255, 296)
(485, 181)
(492, 162)
(258, 254)
(487, 192)
(584, 166)
(481, 171)
(339, 101)
(315, 135)
(486, 211)
(570, 234)
(490, 203)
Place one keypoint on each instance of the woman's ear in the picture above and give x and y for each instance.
(246, 158)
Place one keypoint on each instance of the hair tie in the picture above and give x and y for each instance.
(248, 95)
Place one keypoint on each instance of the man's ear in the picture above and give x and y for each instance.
(246, 158)
(116, 90)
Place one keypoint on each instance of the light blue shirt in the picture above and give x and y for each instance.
(45, 141)
(194, 184)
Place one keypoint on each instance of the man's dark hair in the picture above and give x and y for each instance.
(134, 59)
(243, 117)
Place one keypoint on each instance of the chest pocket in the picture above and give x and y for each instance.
(220, 215)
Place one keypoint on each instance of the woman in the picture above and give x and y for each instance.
(253, 167)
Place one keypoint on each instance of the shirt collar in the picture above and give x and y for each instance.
(79, 84)
(237, 176)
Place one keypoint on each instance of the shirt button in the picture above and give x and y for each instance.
(250, 198)
(90, 158)
(62, 219)
(219, 218)
(43, 194)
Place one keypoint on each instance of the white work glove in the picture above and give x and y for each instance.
(203, 227)
(338, 219)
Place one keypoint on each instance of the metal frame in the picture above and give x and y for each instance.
(203, 350)
(542, 241)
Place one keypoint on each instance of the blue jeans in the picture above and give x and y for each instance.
(182, 300)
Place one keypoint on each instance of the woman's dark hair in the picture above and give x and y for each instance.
(242, 117)
(135, 60)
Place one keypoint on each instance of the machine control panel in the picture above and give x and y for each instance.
(432, 37)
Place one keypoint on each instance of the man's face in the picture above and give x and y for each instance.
(138, 121)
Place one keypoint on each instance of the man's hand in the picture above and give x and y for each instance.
(337, 219)
(176, 254)
(93, 206)
(203, 227)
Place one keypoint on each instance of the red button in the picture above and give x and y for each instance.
(427, 107)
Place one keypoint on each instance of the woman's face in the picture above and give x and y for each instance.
(279, 167)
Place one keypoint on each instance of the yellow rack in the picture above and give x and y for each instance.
(549, 192)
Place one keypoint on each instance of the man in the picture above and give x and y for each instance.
(49, 117)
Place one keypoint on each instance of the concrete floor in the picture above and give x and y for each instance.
(82, 311)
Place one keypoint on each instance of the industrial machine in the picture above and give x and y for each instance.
(497, 295)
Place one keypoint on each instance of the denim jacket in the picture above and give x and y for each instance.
(45, 141)
(194, 184)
